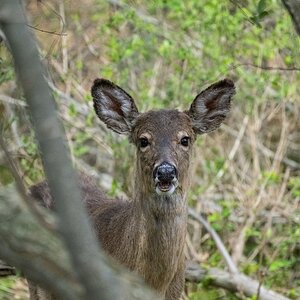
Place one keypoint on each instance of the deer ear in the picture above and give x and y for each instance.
(211, 106)
(113, 106)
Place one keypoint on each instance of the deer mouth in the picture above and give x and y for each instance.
(165, 187)
(165, 178)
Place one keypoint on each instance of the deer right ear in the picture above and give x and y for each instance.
(113, 106)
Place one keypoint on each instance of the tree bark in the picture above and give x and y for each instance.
(236, 282)
(97, 278)
(293, 8)
(43, 257)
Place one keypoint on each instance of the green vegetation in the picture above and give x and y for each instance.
(163, 53)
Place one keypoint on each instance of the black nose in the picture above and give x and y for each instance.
(165, 172)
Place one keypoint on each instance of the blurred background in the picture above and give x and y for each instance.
(245, 178)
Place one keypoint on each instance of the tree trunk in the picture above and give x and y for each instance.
(83, 271)
(293, 8)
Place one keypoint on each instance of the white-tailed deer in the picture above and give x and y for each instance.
(147, 234)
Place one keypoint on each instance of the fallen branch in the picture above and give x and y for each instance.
(42, 256)
(33, 249)
(232, 282)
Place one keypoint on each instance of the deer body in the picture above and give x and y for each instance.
(147, 234)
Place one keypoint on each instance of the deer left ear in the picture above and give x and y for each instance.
(211, 106)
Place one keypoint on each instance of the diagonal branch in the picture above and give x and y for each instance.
(229, 262)
(98, 278)
(43, 257)
(73, 220)
(293, 8)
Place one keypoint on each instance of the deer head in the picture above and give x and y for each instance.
(163, 138)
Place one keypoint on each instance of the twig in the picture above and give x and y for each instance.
(293, 8)
(231, 265)
(146, 18)
(83, 109)
(22, 190)
(46, 31)
(64, 38)
(13, 101)
(235, 147)
(165, 29)
(87, 40)
(267, 68)
(243, 11)
(263, 149)
(95, 275)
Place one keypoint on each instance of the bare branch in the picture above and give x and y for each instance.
(22, 190)
(43, 257)
(74, 226)
(267, 68)
(263, 149)
(293, 8)
(232, 282)
(223, 251)
(11, 100)
(46, 31)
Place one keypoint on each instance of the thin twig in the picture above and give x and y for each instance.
(235, 147)
(22, 190)
(221, 247)
(268, 68)
(243, 11)
(65, 58)
(46, 31)
(13, 101)
(263, 149)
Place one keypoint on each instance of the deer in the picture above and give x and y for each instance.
(147, 233)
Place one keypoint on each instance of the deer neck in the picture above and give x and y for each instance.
(161, 234)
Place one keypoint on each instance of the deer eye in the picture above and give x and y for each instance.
(185, 141)
(144, 142)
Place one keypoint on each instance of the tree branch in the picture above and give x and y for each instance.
(42, 256)
(232, 282)
(33, 249)
(93, 269)
(73, 219)
(293, 8)
(222, 249)
(267, 68)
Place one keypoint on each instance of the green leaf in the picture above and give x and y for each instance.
(263, 14)
(279, 264)
(261, 6)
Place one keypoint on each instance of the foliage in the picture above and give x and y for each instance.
(163, 53)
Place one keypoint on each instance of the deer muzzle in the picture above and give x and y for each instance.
(165, 178)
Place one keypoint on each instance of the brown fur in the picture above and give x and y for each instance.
(147, 234)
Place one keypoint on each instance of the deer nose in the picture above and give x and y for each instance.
(165, 172)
